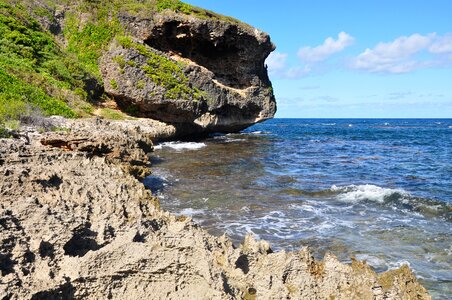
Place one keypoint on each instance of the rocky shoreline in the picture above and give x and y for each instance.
(77, 223)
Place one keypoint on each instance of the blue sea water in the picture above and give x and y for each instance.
(376, 189)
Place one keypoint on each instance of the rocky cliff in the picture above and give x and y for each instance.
(159, 59)
(77, 223)
(75, 220)
(215, 69)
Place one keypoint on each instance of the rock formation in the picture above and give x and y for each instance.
(77, 223)
(204, 74)
(161, 59)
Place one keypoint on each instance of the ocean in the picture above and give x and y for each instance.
(379, 190)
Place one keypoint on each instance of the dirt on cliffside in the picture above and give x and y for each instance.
(77, 223)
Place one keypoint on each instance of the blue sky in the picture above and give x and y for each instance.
(355, 59)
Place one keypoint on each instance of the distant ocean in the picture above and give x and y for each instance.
(376, 189)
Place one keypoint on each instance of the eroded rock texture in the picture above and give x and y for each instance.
(77, 223)
(221, 63)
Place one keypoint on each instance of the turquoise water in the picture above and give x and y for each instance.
(379, 190)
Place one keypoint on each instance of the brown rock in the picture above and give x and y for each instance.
(75, 224)
(219, 65)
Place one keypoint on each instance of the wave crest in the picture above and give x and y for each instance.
(179, 146)
(368, 192)
(394, 197)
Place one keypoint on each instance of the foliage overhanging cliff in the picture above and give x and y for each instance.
(162, 59)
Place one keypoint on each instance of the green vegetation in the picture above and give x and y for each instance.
(163, 72)
(114, 84)
(174, 5)
(4, 133)
(133, 110)
(169, 74)
(112, 114)
(34, 72)
(181, 7)
(37, 73)
(88, 42)
(140, 84)
(120, 60)
(17, 98)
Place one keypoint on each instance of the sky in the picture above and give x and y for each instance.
(354, 59)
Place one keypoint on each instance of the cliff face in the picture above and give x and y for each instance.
(219, 82)
(159, 59)
(75, 220)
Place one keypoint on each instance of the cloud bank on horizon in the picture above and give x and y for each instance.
(402, 55)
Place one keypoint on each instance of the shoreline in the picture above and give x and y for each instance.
(81, 224)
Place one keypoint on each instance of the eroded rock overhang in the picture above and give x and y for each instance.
(224, 60)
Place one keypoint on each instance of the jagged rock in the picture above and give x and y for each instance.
(219, 65)
(75, 223)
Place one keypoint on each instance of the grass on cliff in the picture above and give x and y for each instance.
(33, 73)
(112, 114)
(162, 71)
(38, 73)
(88, 39)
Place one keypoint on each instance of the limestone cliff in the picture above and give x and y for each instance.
(221, 82)
(160, 59)
(75, 220)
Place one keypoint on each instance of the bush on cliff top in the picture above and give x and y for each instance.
(33, 72)
(88, 40)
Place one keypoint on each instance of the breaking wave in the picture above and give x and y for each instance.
(180, 146)
(394, 197)
(368, 192)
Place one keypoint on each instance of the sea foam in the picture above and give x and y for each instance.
(367, 192)
(180, 146)
(192, 212)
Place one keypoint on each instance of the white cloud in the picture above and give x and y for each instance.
(276, 61)
(311, 57)
(329, 47)
(401, 55)
(442, 45)
(277, 67)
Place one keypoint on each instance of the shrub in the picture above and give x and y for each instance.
(174, 5)
(88, 42)
(140, 84)
(112, 114)
(114, 84)
(4, 133)
(34, 72)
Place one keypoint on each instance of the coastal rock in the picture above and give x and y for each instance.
(205, 74)
(77, 223)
